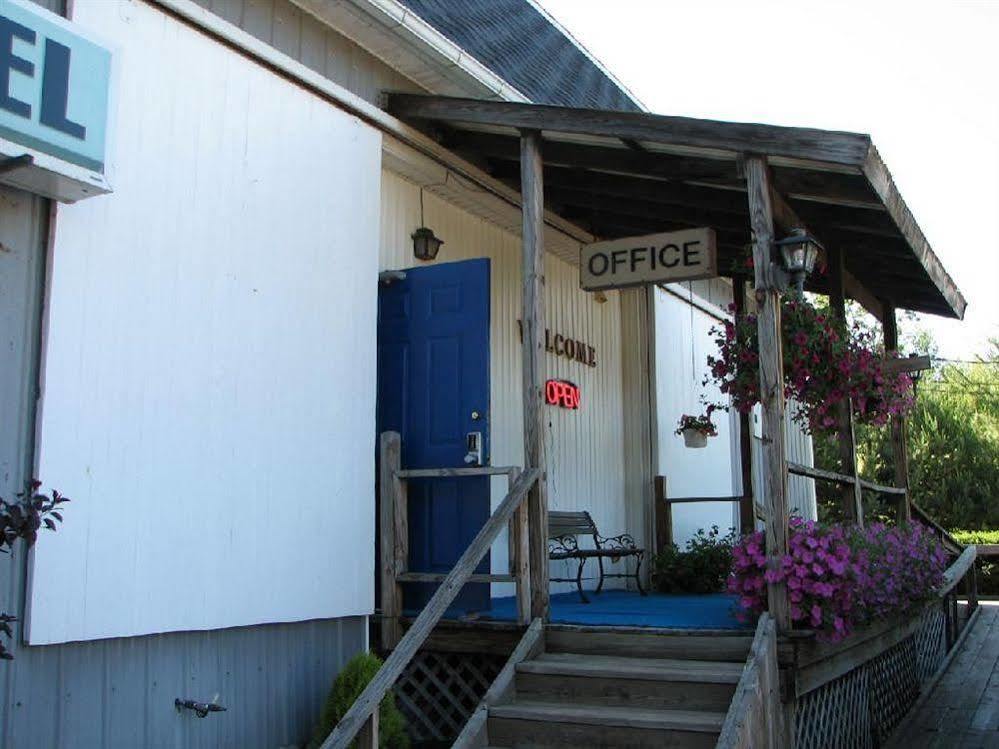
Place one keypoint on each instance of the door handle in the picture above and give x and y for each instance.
(473, 449)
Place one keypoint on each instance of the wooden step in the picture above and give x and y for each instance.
(613, 666)
(650, 683)
(718, 646)
(529, 723)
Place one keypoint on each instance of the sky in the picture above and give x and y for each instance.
(922, 78)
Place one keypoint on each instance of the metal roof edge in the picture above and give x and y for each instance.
(536, 4)
(418, 41)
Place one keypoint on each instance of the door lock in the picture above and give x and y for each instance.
(473, 449)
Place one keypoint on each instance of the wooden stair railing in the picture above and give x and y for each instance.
(755, 717)
(364, 710)
(951, 543)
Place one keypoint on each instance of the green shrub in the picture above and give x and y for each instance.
(976, 537)
(988, 568)
(702, 567)
(348, 685)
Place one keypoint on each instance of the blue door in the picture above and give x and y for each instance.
(433, 388)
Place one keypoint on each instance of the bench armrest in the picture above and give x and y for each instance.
(624, 541)
(563, 545)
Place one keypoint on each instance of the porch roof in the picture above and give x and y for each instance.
(616, 174)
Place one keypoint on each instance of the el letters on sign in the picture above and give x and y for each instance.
(655, 258)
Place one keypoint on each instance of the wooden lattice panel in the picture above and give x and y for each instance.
(439, 691)
(930, 644)
(837, 715)
(864, 706)
(893, 678)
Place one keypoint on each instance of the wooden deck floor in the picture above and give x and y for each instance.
(963, 708)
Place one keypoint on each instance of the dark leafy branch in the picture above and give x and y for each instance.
(22, 519)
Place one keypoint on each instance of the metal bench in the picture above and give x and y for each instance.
(564, 528)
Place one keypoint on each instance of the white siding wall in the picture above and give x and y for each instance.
(585, 459)
(798, 443)
(199, 401)
(683, 343)
(305, 38)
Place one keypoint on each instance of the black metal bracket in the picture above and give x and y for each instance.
(201, 709)
(16, 162)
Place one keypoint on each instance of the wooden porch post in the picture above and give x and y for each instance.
(773, 486)
(853, 508)
(392, 527)
(533, 316)
(747, 507)
(899, 447)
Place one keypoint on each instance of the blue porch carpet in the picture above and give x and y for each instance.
(621, 608)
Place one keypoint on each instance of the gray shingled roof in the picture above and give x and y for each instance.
(524, 48)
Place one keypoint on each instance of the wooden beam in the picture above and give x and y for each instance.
(899, 449)
(578, 195)
(698, 500)
(648, 187)
(439, 577)
(390, 450)
(883, 184)
(773, 485)
(747, 515)
(630, 224)
(718, 174)
(841, 478)
(663, 514)
(735, 137)
(427, 473)
(533, 353)
(520, 556)
(853, 509)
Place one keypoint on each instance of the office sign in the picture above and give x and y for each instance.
(54, 86)
(654, 258)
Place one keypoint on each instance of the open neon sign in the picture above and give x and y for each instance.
(562, 393)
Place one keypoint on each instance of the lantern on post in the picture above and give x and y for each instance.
(799, 251)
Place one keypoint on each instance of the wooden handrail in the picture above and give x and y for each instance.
(960, 568)
(754, 716)
(841, 478)
(918, 512)
(686, 500)
(369, 700)
(434, 473)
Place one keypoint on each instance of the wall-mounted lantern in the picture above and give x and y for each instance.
(799, 251)
(425, 244)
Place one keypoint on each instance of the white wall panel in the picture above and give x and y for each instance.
(208, 394)
(585, 461)
(682, 345)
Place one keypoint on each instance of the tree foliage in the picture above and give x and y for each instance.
(953, 445)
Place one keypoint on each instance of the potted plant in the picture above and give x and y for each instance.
(696, 429)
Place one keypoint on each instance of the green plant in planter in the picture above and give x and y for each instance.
(349, 683)
(701, 567)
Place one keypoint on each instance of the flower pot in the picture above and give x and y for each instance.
(694, 438)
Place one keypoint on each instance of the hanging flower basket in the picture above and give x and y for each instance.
(695, 438)
(697, 429)
(825, 364)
